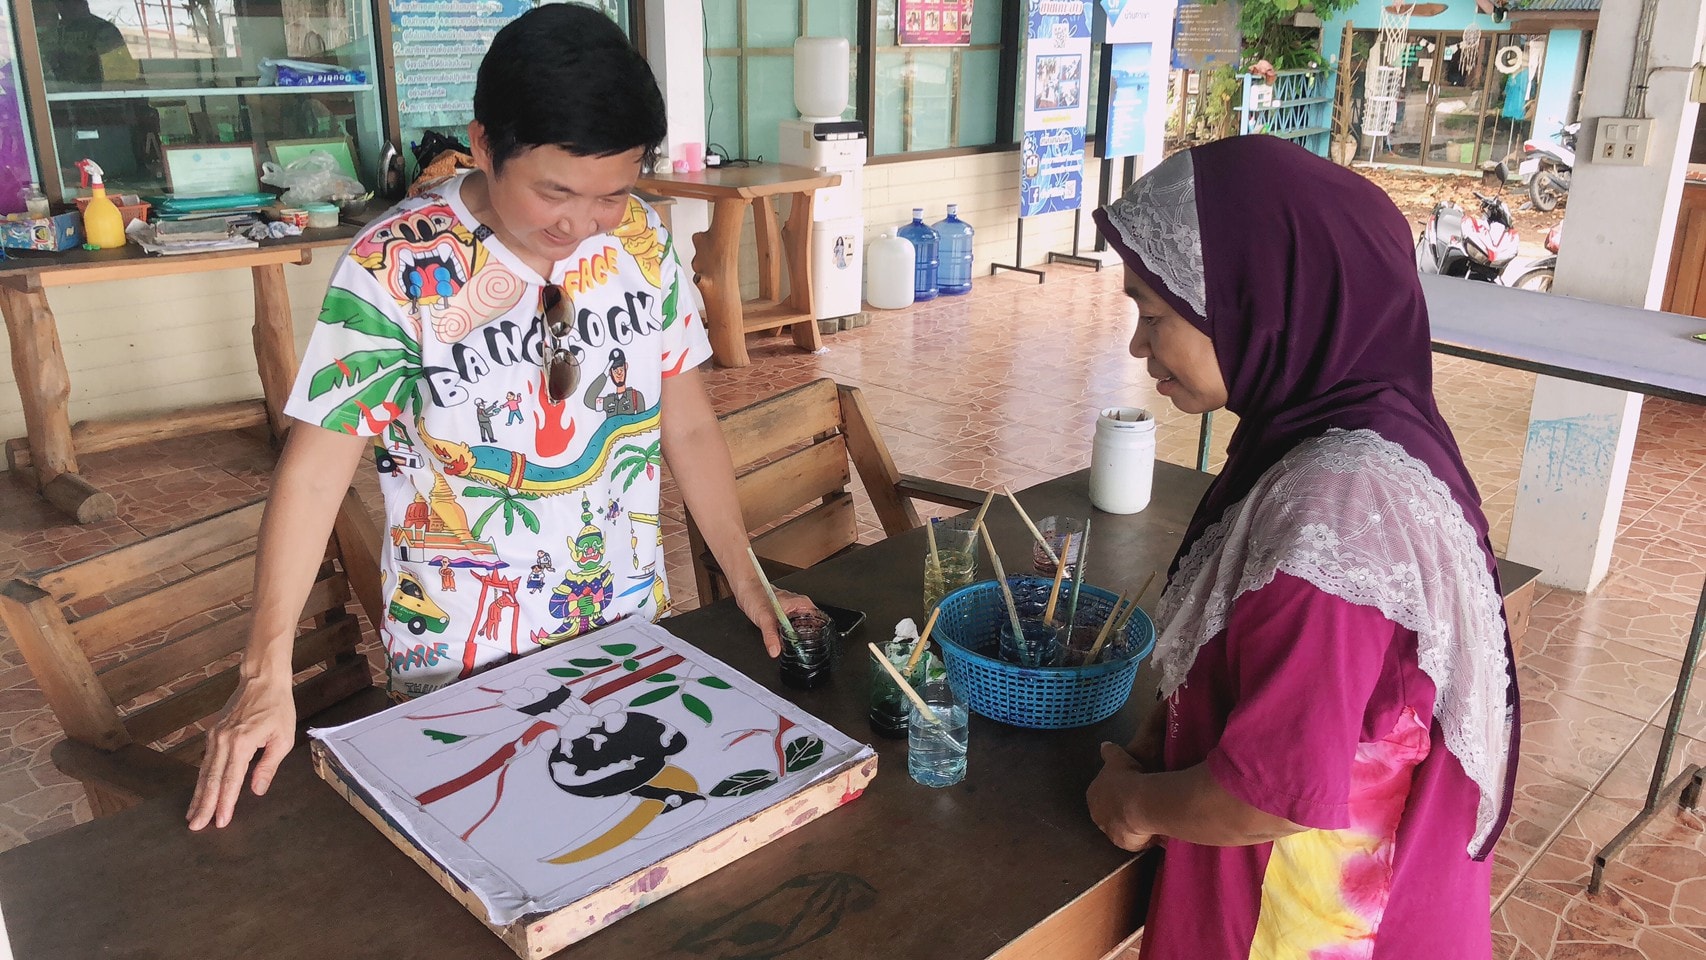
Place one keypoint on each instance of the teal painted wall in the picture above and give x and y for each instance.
(1557, 82)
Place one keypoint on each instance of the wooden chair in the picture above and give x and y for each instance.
(791, 451)
(202, 571)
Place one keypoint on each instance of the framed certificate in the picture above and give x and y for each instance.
(204, 169)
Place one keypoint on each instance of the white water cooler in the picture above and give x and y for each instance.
(821, 140)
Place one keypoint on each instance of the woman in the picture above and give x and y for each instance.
(1332, 759)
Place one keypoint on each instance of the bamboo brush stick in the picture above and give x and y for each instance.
(935, 556)
(1107, 628)
(775, 604)
(906, 688)
(978, 520)
(1077, 576)
(1033, 528)
(1059, 573)
(923, 641)
(1001, 579)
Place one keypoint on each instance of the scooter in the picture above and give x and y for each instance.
(1454, 244)
(1547, 165)
(1538, 276)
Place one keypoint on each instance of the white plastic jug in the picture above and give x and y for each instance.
(1122, 460)
(889, 263)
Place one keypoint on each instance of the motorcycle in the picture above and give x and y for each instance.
(1538, 276)
(1454, 244)
(1547, 165)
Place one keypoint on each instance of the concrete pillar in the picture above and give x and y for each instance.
(675, 47)
(1617, 244)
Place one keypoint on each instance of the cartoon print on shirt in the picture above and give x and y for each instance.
(640, 239)
(621, 400)
(436, 525)
(488, 618)
(422, 257)
(446, 574)
(510, 469)
(387, 379)
(580, 599)
(483, 413)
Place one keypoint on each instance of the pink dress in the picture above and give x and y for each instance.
(1314, 709)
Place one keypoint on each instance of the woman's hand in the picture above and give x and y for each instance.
(1149, 742)
(260, 716)
(749, 596)
(1111, 799)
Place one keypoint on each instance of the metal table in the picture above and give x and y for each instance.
(1007, 864)
(1626, 348)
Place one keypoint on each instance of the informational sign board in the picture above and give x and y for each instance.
(1206, 35)
(1125, 110)
(933, 23)
(1057, 96)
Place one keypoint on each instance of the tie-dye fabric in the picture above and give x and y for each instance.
(1383, 872)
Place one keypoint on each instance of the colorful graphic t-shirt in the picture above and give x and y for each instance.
(512, 521)
(1314, 709)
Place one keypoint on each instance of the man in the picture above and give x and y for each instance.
(622, 400)
(565, 113)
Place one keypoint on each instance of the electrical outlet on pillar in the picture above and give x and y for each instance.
(1622, 140)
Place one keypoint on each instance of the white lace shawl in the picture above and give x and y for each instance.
(1362, 520)
(1157, 220)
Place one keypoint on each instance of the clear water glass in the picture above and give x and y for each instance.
(936, 751)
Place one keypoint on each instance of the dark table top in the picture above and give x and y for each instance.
(904, 871)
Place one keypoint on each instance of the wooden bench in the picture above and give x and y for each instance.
(131, 681)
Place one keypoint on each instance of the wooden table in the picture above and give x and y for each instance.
(716, 260)
(47, 458)
(1005, 865)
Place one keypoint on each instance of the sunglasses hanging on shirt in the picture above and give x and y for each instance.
(562, 358)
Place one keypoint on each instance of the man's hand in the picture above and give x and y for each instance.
(749, 596)
(260, 716)
(1111, 798)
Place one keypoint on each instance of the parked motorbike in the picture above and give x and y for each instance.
(1547, 164)
(1455, 244)
(1539, 274)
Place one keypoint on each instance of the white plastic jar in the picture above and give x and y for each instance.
(889, 266)
(1122, 460)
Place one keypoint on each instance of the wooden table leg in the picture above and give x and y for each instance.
(44, 386)
(767, 231)
(275, 343)
(798, 237)
(716, 265)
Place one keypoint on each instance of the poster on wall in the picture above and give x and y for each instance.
(1138, 21)
(1051, 176)
(436, 46)
(1057, 97)
(1206, 35)
(14, 144)
(934, 23)
(1125, 113)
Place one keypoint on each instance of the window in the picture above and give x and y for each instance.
(124, 81)
(937, 98)
(749, 66)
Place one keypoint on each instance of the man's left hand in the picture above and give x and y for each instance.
(1110, 800)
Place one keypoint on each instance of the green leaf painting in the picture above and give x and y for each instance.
(618, 649)
(743, 783)
(353, 368)
(344, 309)
(661, 678)
(801, 754)
(590, 663)
(630, 665)
(396, 385)
(696, 707)
(443, 737)
(714, 683)
(653, 696)
(567, 673)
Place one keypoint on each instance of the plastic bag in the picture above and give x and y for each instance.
(311, 179)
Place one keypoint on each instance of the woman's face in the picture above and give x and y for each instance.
(1181, 357)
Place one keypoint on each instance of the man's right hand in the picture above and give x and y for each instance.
(260, 717)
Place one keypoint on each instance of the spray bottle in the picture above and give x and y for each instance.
(103, 226)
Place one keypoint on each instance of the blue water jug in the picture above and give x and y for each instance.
(953, 274)
(924, 244)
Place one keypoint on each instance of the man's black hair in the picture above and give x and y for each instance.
(564, 75)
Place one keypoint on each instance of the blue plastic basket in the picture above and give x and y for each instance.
(1043, 698)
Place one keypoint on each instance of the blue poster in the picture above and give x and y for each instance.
(1126, 114)
(1057, 79)
(1051, 171)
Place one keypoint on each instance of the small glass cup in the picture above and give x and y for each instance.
(888, 711)
(808, 659)
(936, 749)
(1038, 647)
(955, 565)
(1055, 530)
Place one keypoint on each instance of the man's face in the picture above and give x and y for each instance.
(619, 375)
(548, 200)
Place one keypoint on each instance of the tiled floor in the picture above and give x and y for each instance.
(1001, 387)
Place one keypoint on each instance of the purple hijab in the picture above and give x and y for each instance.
(1307, 286)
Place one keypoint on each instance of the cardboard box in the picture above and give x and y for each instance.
(60, 232)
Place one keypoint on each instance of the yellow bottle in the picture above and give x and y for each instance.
(103, 226)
